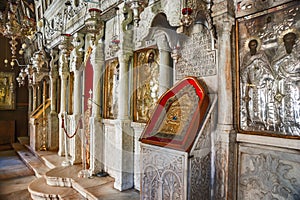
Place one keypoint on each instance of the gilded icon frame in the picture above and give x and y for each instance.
(7, 91)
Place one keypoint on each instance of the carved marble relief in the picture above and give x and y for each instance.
(200, 178)
(200, 167)
(268, 174)
(145, 83)
(162, 174)
(111, 86)
(197, 56)
(269, 71)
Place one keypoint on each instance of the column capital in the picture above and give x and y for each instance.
(76, 54)
(162, 42)
(223, 15)
(97, 55)
(221, 7)
(224, 23)
(53, 66)
(124, 56)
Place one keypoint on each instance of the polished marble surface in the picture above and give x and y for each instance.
(14, 182)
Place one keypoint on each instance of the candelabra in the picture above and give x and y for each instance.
(94, 24)
(114, 44)
(137, 6)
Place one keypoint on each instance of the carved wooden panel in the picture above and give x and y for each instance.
(7, 131)
(269, 71)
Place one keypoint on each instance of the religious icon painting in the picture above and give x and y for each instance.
(7, 91)
(268, 74)
(178, 116)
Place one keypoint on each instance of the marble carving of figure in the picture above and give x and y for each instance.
(287, 65)
(257, 81)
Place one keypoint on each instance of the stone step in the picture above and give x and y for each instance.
(50, 158)
(31, 160)
(68, 177)
(24, 140)
(40, 190)
(60, 182)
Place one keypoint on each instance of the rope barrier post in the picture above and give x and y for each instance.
(66, 162)
(84, 173)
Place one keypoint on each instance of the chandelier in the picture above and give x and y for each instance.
(17, 23)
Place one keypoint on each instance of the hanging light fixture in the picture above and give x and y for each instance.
(186, 18)
(137, 6)
(16, 24)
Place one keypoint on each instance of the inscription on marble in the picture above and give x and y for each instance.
(197, 57)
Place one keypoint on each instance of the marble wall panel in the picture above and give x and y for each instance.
(266, 172)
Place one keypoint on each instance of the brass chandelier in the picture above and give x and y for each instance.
(17, 23)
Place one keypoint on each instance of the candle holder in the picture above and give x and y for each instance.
(187, 18)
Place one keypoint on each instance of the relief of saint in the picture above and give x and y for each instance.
(257, 81)
(287, 65)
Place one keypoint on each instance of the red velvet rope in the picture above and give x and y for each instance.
(79, 124)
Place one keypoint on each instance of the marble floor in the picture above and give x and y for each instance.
(15, 176)
(16, 179)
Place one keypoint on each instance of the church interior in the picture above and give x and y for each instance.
(150, 99)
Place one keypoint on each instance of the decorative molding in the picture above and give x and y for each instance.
(246, 7)
(221, 7)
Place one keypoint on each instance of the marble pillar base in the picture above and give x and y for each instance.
(124, 159)
(75, 142)
(52, 132)
(96, 145)
(61, 137)
(225, 162)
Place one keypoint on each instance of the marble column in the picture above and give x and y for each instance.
(64, 74)
(96, 126)
(75, 64)
(165, 69)
(52, 117)
(39, 93)
(63, 95)
(34, 97)
(124, 133)
(225, 135)
(30, 96)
